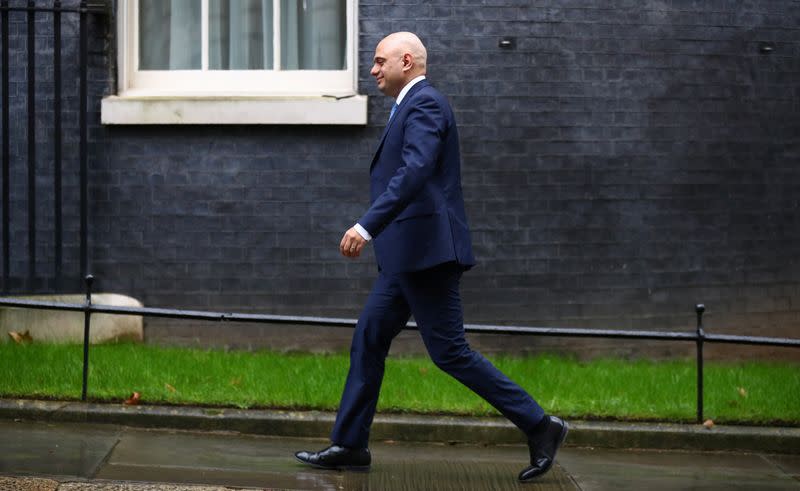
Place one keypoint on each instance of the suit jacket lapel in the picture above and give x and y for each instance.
(419, 85)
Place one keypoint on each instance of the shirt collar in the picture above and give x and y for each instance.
(407, 88)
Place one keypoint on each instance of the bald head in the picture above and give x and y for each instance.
(399, 58)
(408, 43)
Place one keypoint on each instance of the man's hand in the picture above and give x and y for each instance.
(352, 243)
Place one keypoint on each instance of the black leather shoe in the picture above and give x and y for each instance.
(337, 458)
(543, 449)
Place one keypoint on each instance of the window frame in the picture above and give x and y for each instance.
(274, 82)
(239, 97)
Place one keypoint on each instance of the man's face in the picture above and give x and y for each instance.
(388, 69)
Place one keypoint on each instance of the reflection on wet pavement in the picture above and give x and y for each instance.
(54, 449)
(654, 470)
(262, 461)
(70, 451)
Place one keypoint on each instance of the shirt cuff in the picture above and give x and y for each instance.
(362, 232)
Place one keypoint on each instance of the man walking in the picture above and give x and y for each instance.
(418, 226)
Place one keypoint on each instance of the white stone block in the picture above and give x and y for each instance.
(55, 326)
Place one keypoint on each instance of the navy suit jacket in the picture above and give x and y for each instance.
(417, 217)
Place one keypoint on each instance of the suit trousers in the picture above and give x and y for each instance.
(433, 297)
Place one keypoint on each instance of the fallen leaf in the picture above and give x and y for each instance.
(423, 370)
(708, 424)
(170, 388)
(133, 399)
(236, 381)
(21, 338)
(742, 392)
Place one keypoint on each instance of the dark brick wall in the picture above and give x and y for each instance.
(624, 161)
(18, 106)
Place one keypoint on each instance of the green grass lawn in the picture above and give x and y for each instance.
(752, 393)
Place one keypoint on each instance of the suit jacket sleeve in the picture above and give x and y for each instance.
(423, 136)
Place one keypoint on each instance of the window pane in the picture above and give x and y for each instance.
(240, 35)
(313, 34)
(169, 35)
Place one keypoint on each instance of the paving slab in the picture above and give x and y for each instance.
(179, 457)
(256, 461)
(654, 470)
(790, 464)
(55, 449)
(78, 456)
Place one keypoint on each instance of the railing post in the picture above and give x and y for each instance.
(82, 147)
(6, 152)
(31, 47)
(700, 308)
(87, 314)
(57, 141)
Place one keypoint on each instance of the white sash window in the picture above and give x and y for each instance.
(211, 50)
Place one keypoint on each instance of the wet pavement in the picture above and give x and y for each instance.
(70, 456)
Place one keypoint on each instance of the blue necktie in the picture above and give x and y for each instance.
(394, 108)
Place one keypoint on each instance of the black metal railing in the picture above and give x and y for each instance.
(31, 10)
(700, 337)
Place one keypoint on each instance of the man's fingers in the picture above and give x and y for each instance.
(351, 244)
(346, 245)
(352, 247)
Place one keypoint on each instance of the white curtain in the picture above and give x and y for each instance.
(240, 35)
(169, 35)
(313, 34)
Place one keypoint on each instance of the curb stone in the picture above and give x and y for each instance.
(401, 427)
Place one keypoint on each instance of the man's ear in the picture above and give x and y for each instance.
(407, 62)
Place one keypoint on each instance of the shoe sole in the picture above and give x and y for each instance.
(354, 468)
(561, 438)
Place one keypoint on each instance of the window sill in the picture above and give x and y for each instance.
(141, 109)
